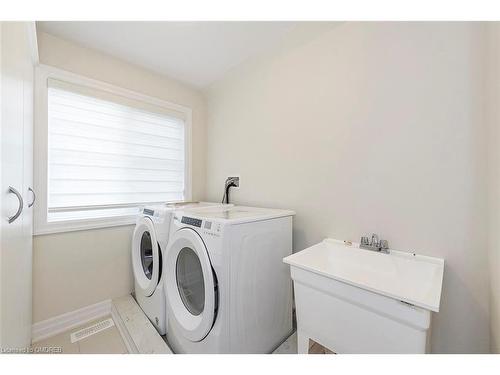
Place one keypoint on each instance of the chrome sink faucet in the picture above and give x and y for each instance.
(375, 244)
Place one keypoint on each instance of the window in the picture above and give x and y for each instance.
(106, 153)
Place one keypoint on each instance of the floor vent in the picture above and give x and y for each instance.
(92, 330)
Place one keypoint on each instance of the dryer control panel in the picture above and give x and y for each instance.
(158, 215)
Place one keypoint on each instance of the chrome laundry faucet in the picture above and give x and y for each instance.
(375, 244)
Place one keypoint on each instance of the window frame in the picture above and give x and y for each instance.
(40, 175)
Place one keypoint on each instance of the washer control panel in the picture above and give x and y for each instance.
(191, 221)
(211, 228)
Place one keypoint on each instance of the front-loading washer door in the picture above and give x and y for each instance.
(190, 285)
(145, 256)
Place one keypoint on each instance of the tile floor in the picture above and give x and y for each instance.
(316, 348)
(290, 347)
(108, 341)
(140, 335)
(143, 337)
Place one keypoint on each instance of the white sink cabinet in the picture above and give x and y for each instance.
(352, 300)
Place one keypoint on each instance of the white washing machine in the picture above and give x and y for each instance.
(149, 243)
(227, 288)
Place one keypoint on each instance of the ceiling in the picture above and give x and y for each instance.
(196, 53)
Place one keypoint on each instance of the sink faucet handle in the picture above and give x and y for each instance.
(364, 241)
(384, 245)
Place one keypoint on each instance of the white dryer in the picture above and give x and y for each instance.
(149, 243)
(227, 288)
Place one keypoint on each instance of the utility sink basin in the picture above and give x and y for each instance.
(352, 300)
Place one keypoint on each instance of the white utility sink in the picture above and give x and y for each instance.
(352, 300)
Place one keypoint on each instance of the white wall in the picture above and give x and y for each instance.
(494, 180)
(75, 269)
(370, 127)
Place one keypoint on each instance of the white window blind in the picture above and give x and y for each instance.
(108, 154)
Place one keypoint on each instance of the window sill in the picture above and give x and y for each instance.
(78, 225)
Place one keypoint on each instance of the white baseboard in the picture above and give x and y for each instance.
(64, 322)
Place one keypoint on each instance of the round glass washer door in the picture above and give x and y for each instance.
(190, 284)
(145, 256)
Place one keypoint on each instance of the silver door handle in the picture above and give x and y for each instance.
(34, 198)
(21, 204)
